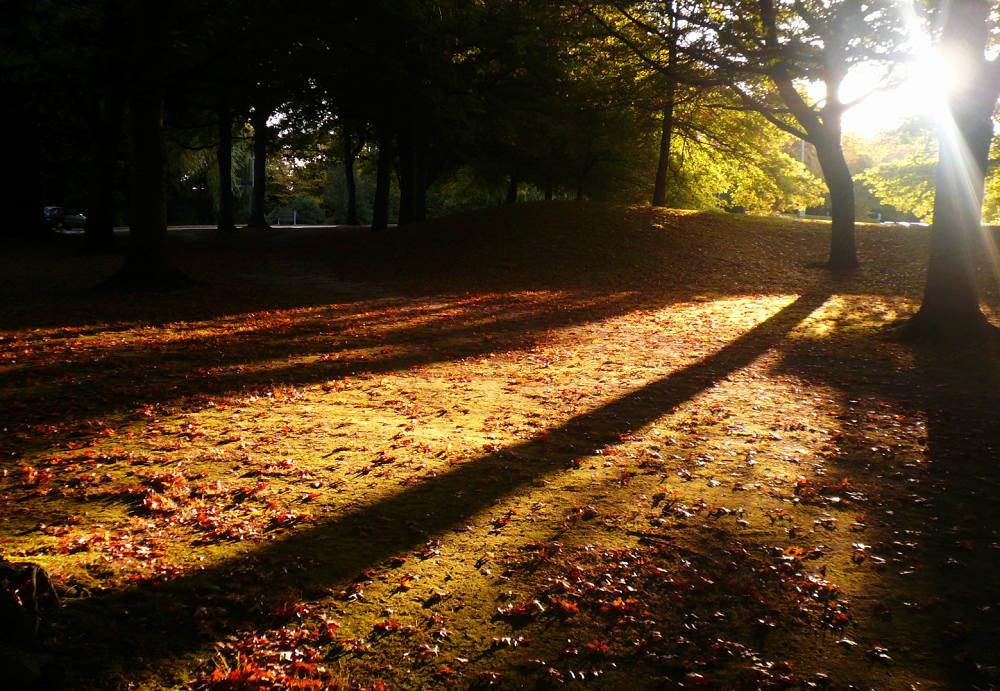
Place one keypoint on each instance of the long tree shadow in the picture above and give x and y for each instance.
(142, 626)
(298, 349)
(936, 530)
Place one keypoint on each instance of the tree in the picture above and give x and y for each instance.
(950, 307)
(764, 51)
(146, 265)
(22, 79)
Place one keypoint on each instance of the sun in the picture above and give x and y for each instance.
(920, 93)
(918, 87)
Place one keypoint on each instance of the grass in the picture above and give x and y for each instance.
(560, 443)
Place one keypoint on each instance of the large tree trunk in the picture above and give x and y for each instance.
(383, 180)
(146, 265)
(148, 210)
(225, 162)
(822, 131)
(23, 191)
(843, 250)
(258, 120)
(950, 308)
(109, 112)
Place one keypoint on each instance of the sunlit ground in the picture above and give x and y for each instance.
(695, 465)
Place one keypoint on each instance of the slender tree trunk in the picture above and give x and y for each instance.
(225, 162)
(383, 179)
(512, 189)
(663, 164)
(843, 250)
(258, 120)
(549, 193)
(420, 202)
(667, 125)
(950, 307)
(350, 182)
(407, 173)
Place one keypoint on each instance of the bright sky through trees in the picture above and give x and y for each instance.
(919, 85)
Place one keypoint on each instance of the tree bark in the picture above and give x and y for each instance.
(407, 173)
(109, 112)
(663, 164)
(351, 185)
(225, 162)
(422, 178)
(512, 189)
(23, 192)
(383, 179)
(822, 130)
(836, 174)
(667, 124)
(258, 120)
(951, 307)
(146, 264)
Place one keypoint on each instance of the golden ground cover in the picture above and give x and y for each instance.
(556, 444)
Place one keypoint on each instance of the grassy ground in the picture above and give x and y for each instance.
(552, 444)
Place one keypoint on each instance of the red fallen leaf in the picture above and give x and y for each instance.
(565, 607)
(388, 625)
(397, 561)
(406, 582)
(445, 673)
(597, 647)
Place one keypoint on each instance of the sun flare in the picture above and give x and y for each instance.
(919, 89)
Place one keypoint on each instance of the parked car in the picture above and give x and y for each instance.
(60, 218)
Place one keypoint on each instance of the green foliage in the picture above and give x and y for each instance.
(904, 174)
(737, 159)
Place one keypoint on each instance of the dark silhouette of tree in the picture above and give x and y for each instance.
(146, 264)
(23, 78)
(951, 305)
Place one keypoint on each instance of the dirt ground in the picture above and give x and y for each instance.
(556, 444)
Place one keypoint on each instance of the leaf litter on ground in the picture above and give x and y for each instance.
(556, 444)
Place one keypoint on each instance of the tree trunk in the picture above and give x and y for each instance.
(258, 120)
(225, 162)
(951, 308)
(351, 185)
(667, 128)
(109, 112)
(512, 189)
(23, 192)
(420, 202)
(663, 164)
(836, 174)
(549, 192)
(383, 179)
(148, 212)
(407, 173)
(146, 265)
